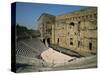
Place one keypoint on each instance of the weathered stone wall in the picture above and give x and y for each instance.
(77, 30)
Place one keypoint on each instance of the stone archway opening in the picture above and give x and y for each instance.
(72, 23)
(44, 41)
(48, 41)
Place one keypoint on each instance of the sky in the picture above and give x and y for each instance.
(28, 13)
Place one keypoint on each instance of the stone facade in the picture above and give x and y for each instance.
(76, 30)
(45, 23)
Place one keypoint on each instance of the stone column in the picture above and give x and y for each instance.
(46, 43)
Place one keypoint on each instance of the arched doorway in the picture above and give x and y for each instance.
(72, 23)
(44, 41)
(48, 41)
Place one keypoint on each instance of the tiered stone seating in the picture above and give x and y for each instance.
(28, 49)
(36, 44)
(23, 50)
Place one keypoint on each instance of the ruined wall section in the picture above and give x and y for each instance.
(45, 23)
